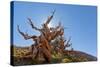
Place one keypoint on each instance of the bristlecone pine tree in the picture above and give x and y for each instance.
(51, 40)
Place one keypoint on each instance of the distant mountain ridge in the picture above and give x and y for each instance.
(79, 54)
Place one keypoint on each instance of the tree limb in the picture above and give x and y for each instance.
(26, 36)
(68, 44)
(32, 25)
(50, 18)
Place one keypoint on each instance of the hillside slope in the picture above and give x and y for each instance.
(78, 56)
(19, 57)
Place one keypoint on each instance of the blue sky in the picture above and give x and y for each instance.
(81, 23)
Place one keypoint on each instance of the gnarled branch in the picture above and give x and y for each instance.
(50, 18)
(26, 36)
(68, 44)
(32, 25)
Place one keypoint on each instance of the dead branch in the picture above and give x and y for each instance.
(32, 25)
(50, 18)
(68, 44)
(25, 35)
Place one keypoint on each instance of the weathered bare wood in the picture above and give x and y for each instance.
(42, 45)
